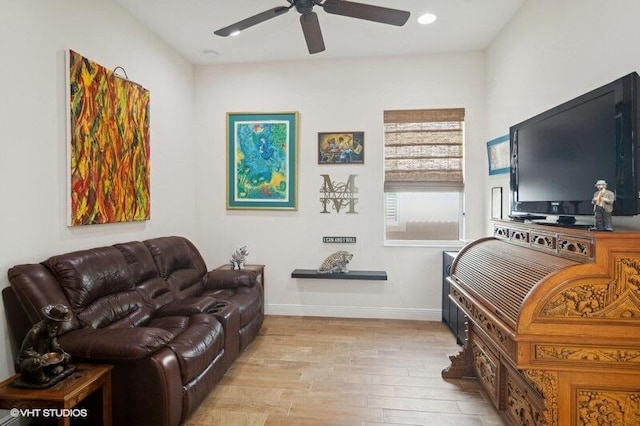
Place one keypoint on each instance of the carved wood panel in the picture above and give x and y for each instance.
(587, 353)
(486, 367)
(519, 408)
(561, 244)
(607, 407)
(482, 320)
(617, 299)
(546, 384)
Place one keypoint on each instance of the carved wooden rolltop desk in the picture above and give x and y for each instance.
(553, 329)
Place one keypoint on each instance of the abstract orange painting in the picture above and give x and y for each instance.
(109, 145)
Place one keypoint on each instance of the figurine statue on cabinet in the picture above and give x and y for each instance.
(602, 207)
(238, 257)
(41, 361)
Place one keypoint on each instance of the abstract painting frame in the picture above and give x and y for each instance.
(262, 160)
(498, 155)
(341, 148)
(108, 145)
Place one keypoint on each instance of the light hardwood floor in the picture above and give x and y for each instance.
(336, 371)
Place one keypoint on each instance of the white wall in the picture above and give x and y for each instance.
(34, 35)
(553, 51)
(549, 53)
(336, 95)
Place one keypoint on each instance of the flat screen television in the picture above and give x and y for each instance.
(558, 155)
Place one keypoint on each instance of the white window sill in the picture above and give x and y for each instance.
(425, 243)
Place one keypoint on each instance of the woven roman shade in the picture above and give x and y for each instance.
(423, 149)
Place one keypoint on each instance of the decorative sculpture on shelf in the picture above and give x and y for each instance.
(239, 256)
(602, 207)
(336, 263)
(41, 361)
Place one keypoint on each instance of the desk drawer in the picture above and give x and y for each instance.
(486, 366)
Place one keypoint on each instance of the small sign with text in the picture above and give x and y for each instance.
(338, 239)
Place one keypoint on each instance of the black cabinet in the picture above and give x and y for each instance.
(451, 315)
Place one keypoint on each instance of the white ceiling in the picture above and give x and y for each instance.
(188, 26)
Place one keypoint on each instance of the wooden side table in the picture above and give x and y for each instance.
(59, 400)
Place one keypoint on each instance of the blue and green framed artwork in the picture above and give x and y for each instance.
(261, 160)
(498, 155)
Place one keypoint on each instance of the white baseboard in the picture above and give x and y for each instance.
(354, 312)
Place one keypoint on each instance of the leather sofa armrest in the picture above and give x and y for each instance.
(148, 391)
(229, 278)
(189, 306)
(114, 344)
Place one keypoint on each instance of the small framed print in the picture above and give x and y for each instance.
(341, 148)
(498, 155)
(496, 202)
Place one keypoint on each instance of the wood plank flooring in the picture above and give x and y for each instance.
(311, 371)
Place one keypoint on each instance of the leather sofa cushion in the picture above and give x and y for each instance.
(143, 266)
(180, 263)
(188, 306)
(28, 282)
(87, 275)
(174, 253)
(115, 344)
(247, 299)
(186, 283)
(229, 278)
(198, 345)
(124, 309)
(155, 292)
(175, 324)
(154, 289)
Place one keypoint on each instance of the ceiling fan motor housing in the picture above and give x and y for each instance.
(303, 6)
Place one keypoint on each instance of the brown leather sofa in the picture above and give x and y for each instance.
(152, 309)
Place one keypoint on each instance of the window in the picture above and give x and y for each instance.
(423, 174)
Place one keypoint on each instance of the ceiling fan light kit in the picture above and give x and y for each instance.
(309, 19)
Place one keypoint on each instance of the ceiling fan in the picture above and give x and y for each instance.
(309, 19)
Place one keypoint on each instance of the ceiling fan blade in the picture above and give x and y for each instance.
(312, 32)
(368, 12)
(253, 20)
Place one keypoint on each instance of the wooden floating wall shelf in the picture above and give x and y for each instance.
(351, 275)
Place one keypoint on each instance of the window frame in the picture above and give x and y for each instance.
(455, 182)
(387, 242)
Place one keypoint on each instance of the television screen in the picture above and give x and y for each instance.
(573, 150)
(557, 156)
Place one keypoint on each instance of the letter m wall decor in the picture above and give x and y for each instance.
(108, 145)
(338, 195)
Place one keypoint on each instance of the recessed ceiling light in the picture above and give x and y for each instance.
(427, 18)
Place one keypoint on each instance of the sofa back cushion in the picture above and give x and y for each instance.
(140, 261)
(88, 275)
(180, 264)
(35, 287)
(151, 286)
